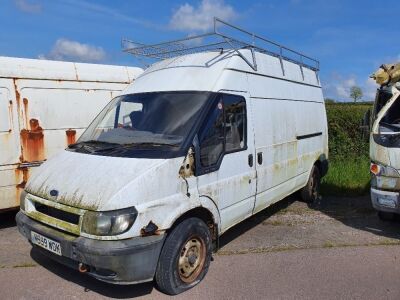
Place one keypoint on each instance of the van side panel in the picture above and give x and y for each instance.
(45, 116)
(290, 131)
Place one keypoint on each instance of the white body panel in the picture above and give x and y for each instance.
(44, 106)
(286, 122)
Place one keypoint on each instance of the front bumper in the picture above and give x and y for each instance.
(385, 201)
(121, 262)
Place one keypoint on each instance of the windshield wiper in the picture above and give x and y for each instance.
(151, 144)
(93, 142)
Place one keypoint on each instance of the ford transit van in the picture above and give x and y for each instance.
(202, 140)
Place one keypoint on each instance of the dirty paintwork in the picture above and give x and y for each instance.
(162, 190)
(39, 100)
(71, 136)
(187, 168)
(32, 142)
(386, 185)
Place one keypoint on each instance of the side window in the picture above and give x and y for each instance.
(235, 123)
(212, 139)
(225, 130)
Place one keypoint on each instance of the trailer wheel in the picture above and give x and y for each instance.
(185, 257)
(311, 192)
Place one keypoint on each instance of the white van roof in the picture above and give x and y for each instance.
(24, 68)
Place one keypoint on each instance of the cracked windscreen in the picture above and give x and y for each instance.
(145, 120)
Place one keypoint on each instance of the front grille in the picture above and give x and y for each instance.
(57, 213)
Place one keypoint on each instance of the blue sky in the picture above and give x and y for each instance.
(350, 38)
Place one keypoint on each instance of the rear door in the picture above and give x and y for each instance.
(54, 114)
(10, 174)
(227, 168)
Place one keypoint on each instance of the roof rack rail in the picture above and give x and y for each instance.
(218, 40)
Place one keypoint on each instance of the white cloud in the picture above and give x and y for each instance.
(28, 7)
(343, 87)
(370, 89)
(65, 49)
(200, 18)
(338, 87)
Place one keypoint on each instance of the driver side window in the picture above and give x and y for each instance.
(225, 130)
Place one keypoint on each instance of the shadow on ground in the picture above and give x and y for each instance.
(358, 213)
(90, 284)
(7, 219)
(255, 220)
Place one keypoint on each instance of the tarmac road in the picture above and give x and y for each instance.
(338, 273)
(339, 250)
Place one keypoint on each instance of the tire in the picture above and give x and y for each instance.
(185, 257)
(386, 216)
(310, 193)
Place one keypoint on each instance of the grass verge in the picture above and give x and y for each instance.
(347, 177)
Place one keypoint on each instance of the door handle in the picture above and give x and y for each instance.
(250, 160)
(259, 158)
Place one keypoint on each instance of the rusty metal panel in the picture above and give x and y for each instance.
(38, 118)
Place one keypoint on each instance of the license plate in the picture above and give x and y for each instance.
(387, 202)
(46, 243)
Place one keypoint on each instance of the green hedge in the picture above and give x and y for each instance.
(345, 134)
(348, 151)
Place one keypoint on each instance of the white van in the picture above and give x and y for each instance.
(44, 106)
(385, 143)
(197, 144)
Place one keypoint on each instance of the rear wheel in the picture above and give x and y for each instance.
(311, 192)
(185, 257)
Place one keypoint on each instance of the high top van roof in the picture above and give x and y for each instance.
(23, 68)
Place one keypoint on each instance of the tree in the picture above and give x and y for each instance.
(356, 93)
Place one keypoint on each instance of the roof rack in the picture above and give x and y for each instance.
(218, 40)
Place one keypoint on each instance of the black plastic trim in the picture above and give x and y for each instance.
(308, 136)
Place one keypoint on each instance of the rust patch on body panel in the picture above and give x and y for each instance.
(150, 229)
(32, 142)
(25, 102)
(10, 115)
(187, 168)
(71, 136)
(21, 176)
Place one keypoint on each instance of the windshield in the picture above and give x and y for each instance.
(148, 120)
(390, 122)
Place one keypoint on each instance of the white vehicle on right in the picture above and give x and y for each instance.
(385, 143)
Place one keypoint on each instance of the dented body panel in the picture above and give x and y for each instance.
(44, 107)
(280, 134)
(385, 150)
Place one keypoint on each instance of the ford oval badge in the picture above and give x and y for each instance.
(54, 193)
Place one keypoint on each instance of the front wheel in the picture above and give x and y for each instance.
(310, 193)
(185, 257)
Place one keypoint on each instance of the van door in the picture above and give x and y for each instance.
(10, 175)
(227, 169)
(276, 150)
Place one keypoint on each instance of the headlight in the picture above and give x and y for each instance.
(108, 222)
(380, 170)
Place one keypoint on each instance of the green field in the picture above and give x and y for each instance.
(348, 151)
(347, 177)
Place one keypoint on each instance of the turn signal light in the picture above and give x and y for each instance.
(375, 169)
